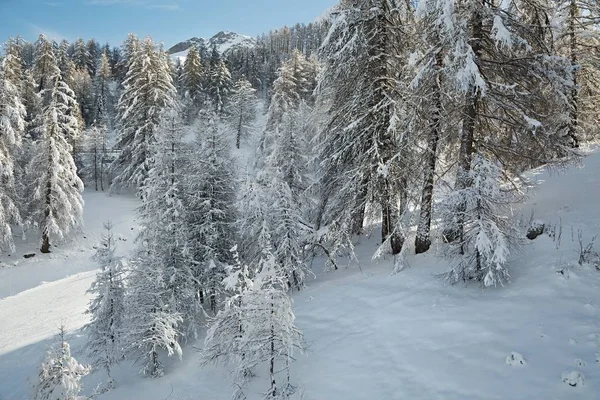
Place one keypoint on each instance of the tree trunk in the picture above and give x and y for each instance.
(358, 213)
(48, 204)
(423, 238)
(574, 100)
(465, 156)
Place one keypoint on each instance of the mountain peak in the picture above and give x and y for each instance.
(224, 41)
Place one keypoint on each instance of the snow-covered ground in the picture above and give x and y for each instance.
(371, 335)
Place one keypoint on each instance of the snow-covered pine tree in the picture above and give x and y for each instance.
(489, 231)
(285, 179)
(269, 333)
(362, 151)
(219, 85)
(148, 92)
(242, 110)
(575, 30)
(107, 309)
(82, 58)
(60, 374)
(57, 205)
(211, 200)
(223, 338)
(12, 128)
(150, 324)
(96, 147)
(165, 229)
(102, 95)
(192, 79)
(428, 94)
(515, 118)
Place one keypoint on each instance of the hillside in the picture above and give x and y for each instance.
(370, 335)
(224, 41)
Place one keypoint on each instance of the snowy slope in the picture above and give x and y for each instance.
(376, 336)
(224, 41)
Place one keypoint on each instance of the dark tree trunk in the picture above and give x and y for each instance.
(423, 238)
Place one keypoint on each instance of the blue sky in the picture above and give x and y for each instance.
(168, 21)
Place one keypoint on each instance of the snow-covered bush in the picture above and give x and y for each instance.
(60, 374)
(479, 220)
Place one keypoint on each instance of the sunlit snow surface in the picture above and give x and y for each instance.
(370, 335)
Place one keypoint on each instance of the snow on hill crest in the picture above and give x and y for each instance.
(224, 41)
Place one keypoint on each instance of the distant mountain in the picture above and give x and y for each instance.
(225, 42)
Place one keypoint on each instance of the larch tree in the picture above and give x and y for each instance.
(242, 110)
(150, 325)
(148, 92)
(220, 84)
(512, 117)
(60, 375)
(102, 94)
(12, 128)
(362, 152)
(164, 217)
(56, 189)
(428, 93)
(191, 81)
(107, 309)
(576, 35)
(211, 200)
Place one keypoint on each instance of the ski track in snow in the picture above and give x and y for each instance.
(370, 336)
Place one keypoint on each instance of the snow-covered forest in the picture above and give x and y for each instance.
(357, 208)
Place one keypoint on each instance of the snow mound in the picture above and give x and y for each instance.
(515, 359)
(573, 378)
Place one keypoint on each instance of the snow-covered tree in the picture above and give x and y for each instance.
(57, 205)
(165, 230)
(12, 128)
(96, 147)
(428, 118)
(148, 92)
(191, 80)
(242, 110)
(361, 145)
(220, 85)
(575, 33)
(267, 333)
(82, 58)
(489, 232)
(150, 325)
(223, 339)
(60, 374)
(107, 309)
(211, 202)
(518, 116)
(102, 95)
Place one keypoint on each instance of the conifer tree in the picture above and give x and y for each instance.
(107, 309)
(12, 128)
(211, 205)
(102, 91)
(164, 217)
(148, 92)
(362, 150)
(57, 205)
(60, 374)
(192, 76)
(242, 109)
(219, 82)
